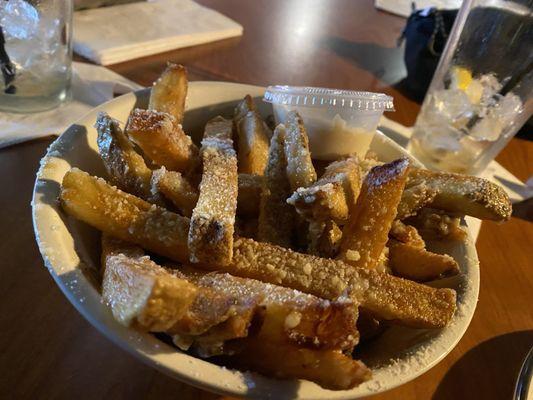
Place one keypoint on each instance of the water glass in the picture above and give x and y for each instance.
(35, 54)
(481, 93)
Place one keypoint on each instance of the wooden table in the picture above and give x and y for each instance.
(49, 351)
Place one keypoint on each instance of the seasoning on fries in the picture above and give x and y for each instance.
(193, 249)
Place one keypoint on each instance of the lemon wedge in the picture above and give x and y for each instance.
(461, 78)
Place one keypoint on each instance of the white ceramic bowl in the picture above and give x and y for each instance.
(70, 252)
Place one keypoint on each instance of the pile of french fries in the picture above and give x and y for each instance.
(260, 259)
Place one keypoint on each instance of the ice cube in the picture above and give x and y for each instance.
(474, 91)
(439, 139)
(19, 19)
(491, 87)
(497, 117)
(489, 128)
(508, 108)
(452, 106)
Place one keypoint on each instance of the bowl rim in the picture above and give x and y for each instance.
(81, 293)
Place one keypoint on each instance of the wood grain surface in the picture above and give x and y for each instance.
(47, 349)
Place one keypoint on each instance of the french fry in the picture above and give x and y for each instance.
(213, 317)
(249, 197)
(418, 264)
(276, 217)
(414, 197)
(332, 196)
(465, 194)
(410, 259)
(437, 225)
(162, 140)
(300, 168)
(142, 294)
(365, 235)
(303, 318)
(253, 139)
(112, 246)
(136, 286)
(244, 107)
(125, 167)
(329, 368)
(219, 128)
(213, 218)
(176, 189)
(385, 296)
(219, 339)
(406, 234)
(123, 215)
(169, 92)
(316, 327)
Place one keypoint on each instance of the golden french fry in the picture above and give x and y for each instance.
(142, 294)
(436, 224)
(332, 196)
(136, 286)
(406, 234)
(465, 194)
(214, 317)
(303, 321)
(123, 215)
(125, 167)
(162, 140)
(414, 197)
(385, 296)
(419, 264)
(220, 339)
(249, 197)
(243, 108)
(365, 235)
(170, 91)
(276, 217)
(112, 246)
(213, 218)
(253, 139)
(219, 128)
(176, 189)
(303, 318)
(330, 369)
(300, 168)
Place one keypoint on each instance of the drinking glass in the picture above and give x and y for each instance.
(35, 54)
(481, 93)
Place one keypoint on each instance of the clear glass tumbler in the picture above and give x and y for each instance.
(481, 93)
(35, 54)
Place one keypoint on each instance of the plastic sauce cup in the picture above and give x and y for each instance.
(338, 122)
